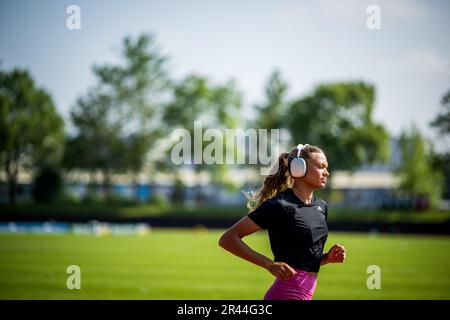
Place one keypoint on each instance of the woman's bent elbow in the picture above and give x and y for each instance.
(226, 240)
(223, 241)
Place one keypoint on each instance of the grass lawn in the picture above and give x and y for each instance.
(188, 264)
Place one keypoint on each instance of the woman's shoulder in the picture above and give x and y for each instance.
(282, 197)
(276, 202)
(321, 201)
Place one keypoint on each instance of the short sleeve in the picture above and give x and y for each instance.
(325, 210)
(267, 214)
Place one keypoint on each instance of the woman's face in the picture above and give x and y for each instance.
(317, 170)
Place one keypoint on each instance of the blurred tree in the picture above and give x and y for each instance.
(216, 106)
(416, 172)
(272, 114)
(442, 120)
(338, 118)
(137, 87)
(119, 121)
(442, 160)
(47, 185)
(195, 98)
(178, 194)
(98, 144)
(31, 131)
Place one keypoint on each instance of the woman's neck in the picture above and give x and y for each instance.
(303, 192)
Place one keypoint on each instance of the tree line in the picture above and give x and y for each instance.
(122, 124)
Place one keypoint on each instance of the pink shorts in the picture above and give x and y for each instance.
(299, 287)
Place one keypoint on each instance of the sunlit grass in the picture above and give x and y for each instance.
(188, 264)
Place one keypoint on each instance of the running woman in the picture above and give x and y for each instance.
(296, 221)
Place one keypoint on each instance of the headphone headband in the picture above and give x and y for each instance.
(300, 147)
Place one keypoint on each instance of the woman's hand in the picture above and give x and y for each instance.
(281, 270)
(336, 254)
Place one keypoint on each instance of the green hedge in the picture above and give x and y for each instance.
(148, 210)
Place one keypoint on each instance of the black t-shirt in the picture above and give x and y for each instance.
(297, 231)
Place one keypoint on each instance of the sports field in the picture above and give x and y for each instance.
(188, 264)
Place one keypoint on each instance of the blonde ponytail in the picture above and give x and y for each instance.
(273, 184)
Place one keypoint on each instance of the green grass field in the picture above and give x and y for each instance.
(188, 264)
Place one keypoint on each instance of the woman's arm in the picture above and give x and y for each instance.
(231, 241)
(324, 259)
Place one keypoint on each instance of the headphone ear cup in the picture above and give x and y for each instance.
(298, 167)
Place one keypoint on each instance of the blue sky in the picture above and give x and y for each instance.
(311, 42)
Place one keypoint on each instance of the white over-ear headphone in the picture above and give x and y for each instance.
(297, 165)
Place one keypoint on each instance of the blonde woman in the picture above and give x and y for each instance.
(296, 221)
